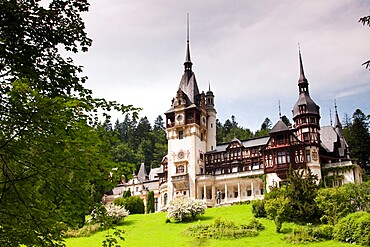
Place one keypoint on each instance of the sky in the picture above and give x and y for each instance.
(246, 50)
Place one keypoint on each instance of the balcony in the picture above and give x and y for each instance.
(181, 181)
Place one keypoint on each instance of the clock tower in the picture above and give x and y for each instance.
(187, 124)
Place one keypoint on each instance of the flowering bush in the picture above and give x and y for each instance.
(116, 212)
(108, 215)
(185, 208)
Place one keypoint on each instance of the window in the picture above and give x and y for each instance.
(181, 135)
(180, 169)
(255, 166)
(201, 156)
(201, 136)
(281, 157)
(306, 137)
(211, 125)
(308, 156)
(165, 199)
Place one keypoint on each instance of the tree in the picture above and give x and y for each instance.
(150, 202)
(358, 138)
(278, 208)
(54, 154)
(335, 203)
(366, 22)
(285, 120)
(266, 124)
(302, 189)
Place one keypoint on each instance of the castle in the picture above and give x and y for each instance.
(197, 167)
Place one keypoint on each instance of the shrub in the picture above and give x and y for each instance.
(222, 229)
(334, 203)
(279, 210)
(255, 224)
(116, 212)
(354, 228)
(85, 231)
(258, 208)
(306, 234)
(134, 204)
(184, 208)
(107, 215)
(323, 232)
(300, 235)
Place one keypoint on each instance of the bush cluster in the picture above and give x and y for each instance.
(224, 229)
(134, 204)
(354, 228)
(258, 208)
(184, 208)
(108, 215)
(306, 234)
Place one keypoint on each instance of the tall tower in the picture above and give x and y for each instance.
(306, 117)
(186, 127)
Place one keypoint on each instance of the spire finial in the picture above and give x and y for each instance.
(279, 109)
(188, 62)
(209, 86)
(187, 28)
(331, 120)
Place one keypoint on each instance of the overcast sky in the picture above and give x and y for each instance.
(246, 50)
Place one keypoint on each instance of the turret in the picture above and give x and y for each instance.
(211, 120)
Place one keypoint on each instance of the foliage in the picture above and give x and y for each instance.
(116, 213)
(138, 142)
(85, 231)
(111, 240)
(150, 202)
(309, 233)
(185, 209)
(278, 209)
(337, 202)
(126, 193)
(108, 215)
(146, 229)
(301, 190)
(54, 153)
(366, 22)
(354, 228)
(358, 138)
(221, 229)
(267, 124)
(258, 208)
(134, 204)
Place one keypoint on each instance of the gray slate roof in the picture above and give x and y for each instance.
(280, 126)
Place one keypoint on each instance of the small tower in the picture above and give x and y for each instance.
(306, 117)
(211, 120)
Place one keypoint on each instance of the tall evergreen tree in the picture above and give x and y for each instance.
(358, 138)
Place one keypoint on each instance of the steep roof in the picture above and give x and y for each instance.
(304, 95)
(142, 175)
(280, 126)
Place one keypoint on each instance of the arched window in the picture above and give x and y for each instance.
(165, 199)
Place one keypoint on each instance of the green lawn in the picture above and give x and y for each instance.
(151, 230)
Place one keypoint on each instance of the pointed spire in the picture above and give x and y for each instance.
(338, 125)
(302, 81)
(188, 64)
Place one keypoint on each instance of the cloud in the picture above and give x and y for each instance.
(247, 50)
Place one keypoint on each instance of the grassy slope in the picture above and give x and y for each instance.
(151, 230)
